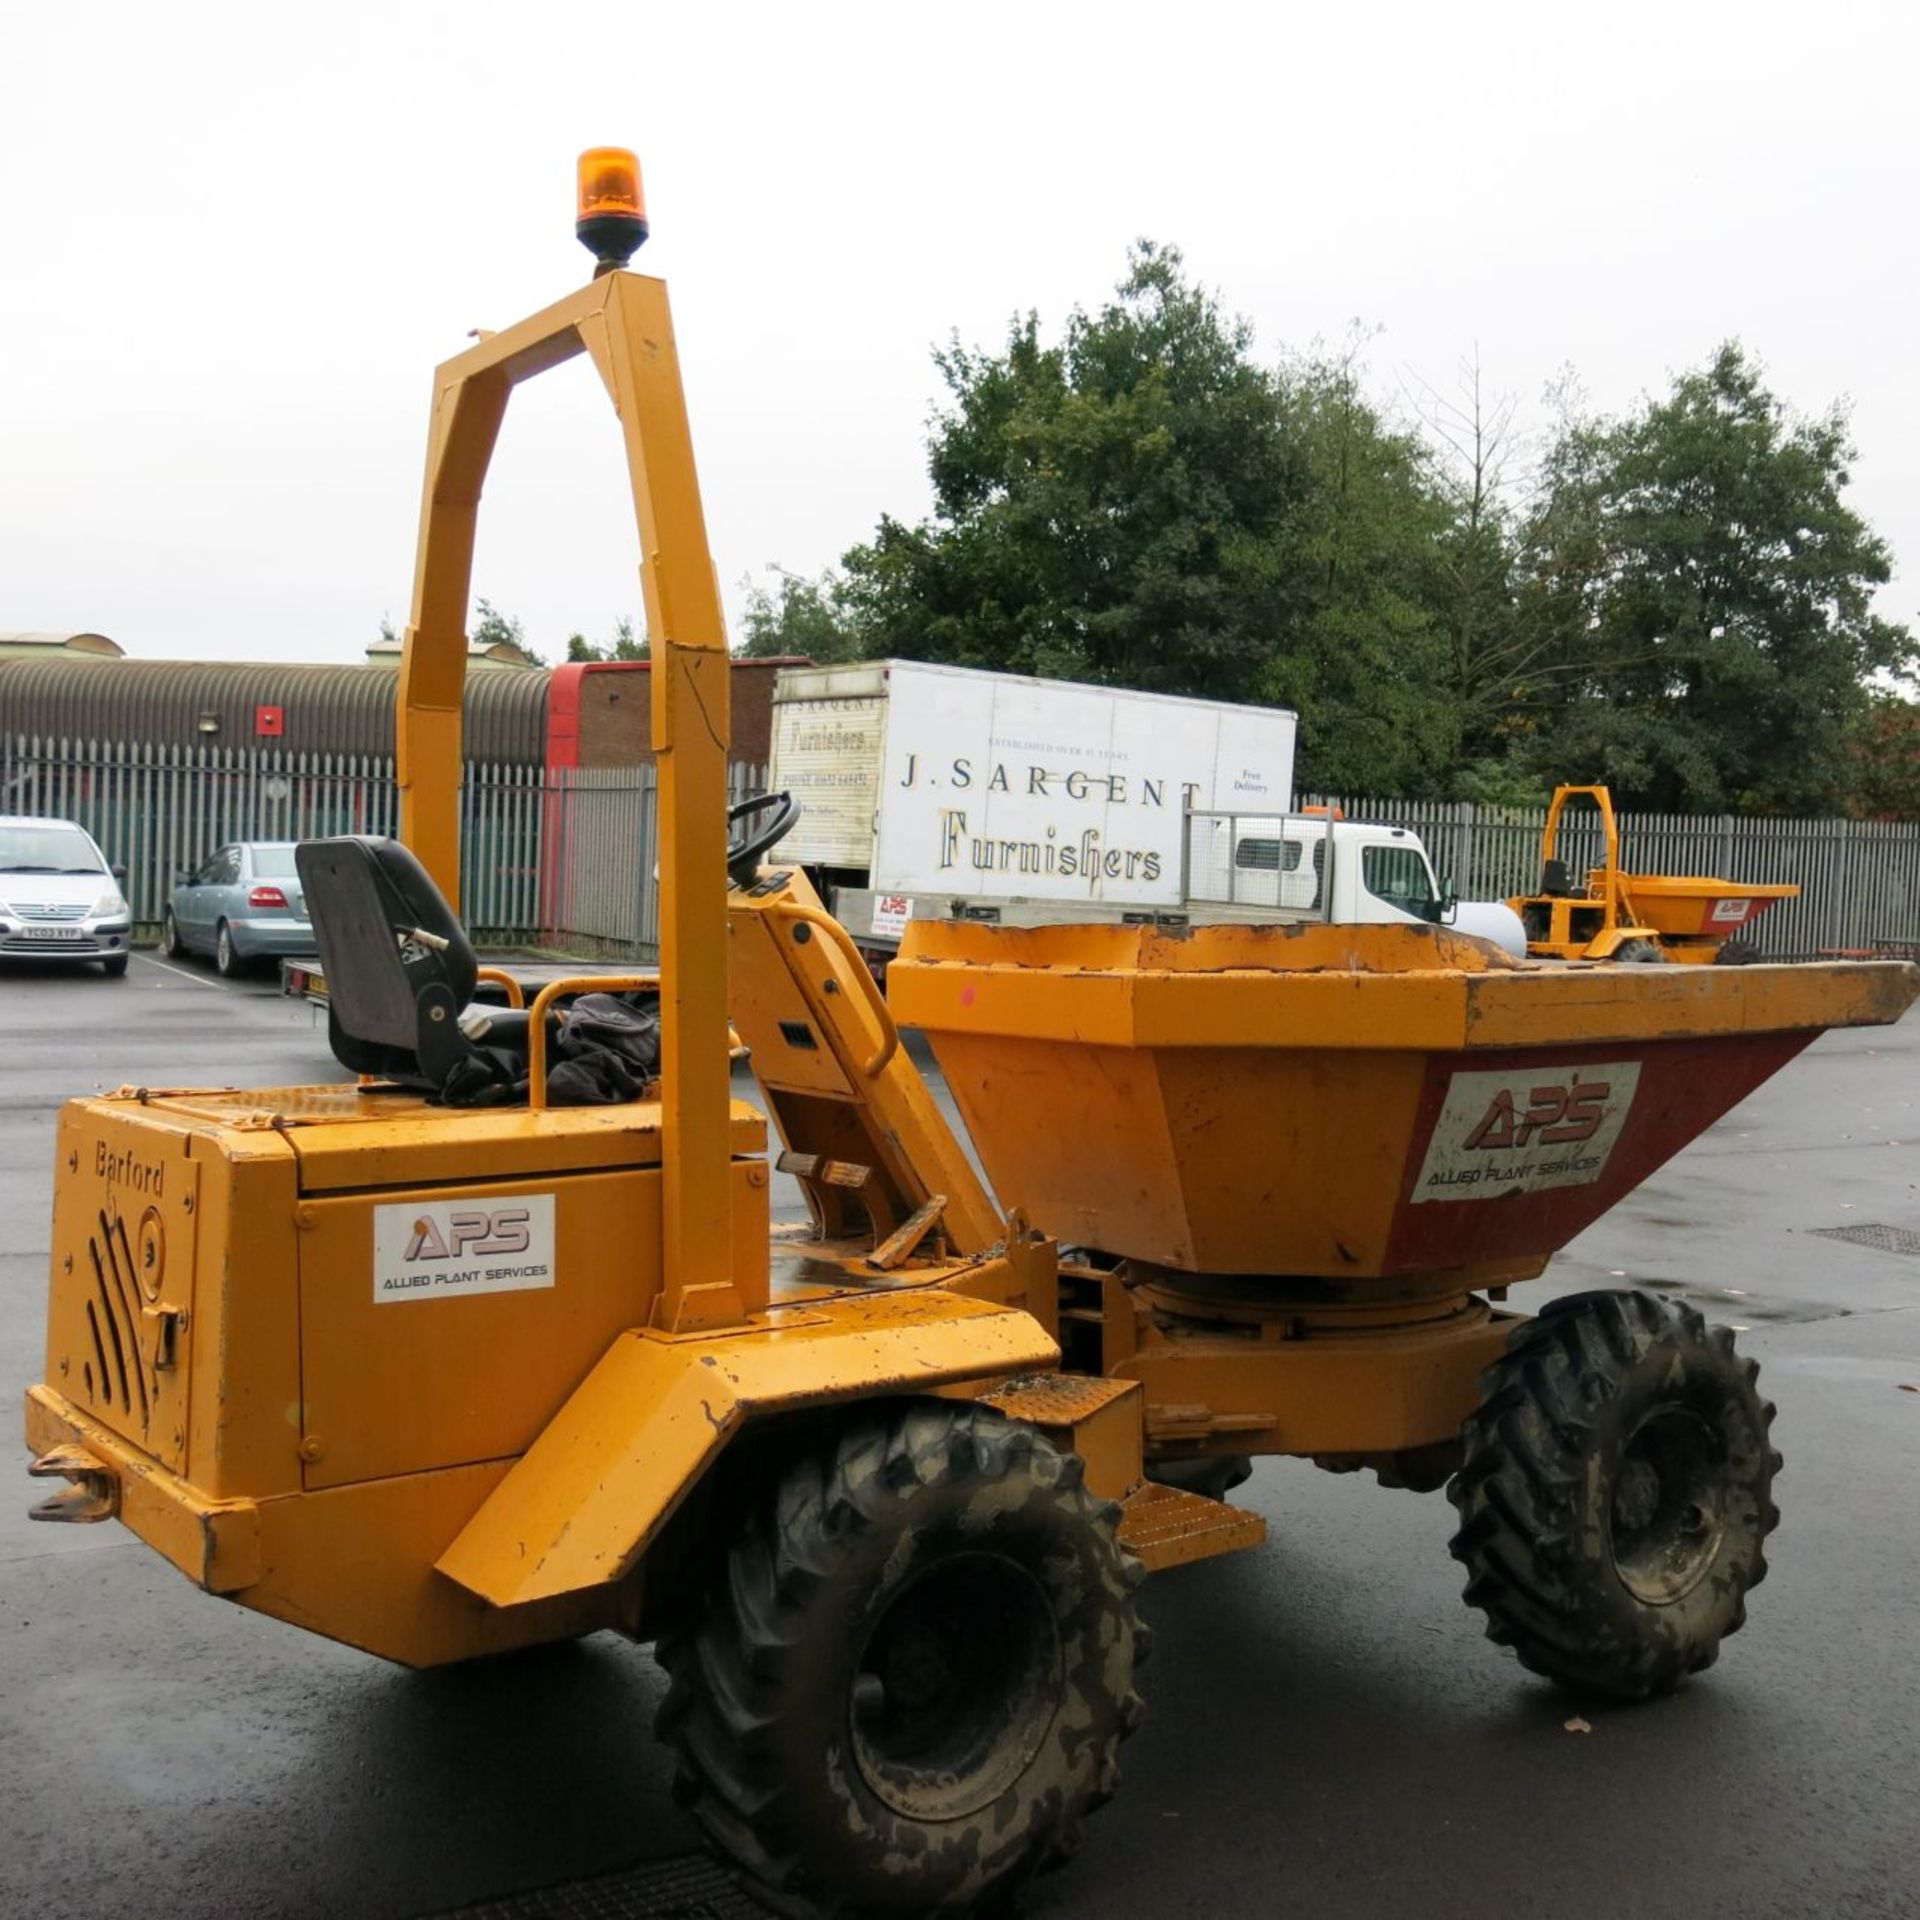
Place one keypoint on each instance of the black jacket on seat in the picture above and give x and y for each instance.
(401, 973)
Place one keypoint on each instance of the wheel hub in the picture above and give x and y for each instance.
(956, 1688)
(1668, 1513)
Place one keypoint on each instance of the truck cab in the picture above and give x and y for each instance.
(1379, 873)
(1317, 866)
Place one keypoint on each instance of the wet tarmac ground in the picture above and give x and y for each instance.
(1328, 1733)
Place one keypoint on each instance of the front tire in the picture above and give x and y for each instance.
(170, 947)
(114, 967)
(913, 1669)
(1616, 1493)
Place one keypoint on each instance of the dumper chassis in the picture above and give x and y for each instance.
(439, 1382)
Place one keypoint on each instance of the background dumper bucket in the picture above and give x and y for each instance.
(1683, 906)
(1355, 1102)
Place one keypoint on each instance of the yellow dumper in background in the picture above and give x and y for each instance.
(439, 1380)
(1635, 916)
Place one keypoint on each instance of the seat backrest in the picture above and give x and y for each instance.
(1554, 881)
(393, 998)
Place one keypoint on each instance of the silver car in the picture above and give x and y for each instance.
(242, 904)
(59, 899)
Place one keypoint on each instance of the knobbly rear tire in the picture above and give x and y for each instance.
(1646, 953)
(913, 1668)
(1616, 1493)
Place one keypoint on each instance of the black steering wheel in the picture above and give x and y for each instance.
(744, 847)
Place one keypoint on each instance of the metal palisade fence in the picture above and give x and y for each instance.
(600, 889)
(548, 857)
(1859, 880)
(565, 857)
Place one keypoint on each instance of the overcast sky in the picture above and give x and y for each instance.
(234, 241)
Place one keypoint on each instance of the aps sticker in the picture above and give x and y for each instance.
(435, 1250)
(1525, 1129)
(891, 912)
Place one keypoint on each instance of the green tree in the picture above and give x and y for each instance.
(492, 628)
(1496, 663)
(1105, 509)
(624, 645)
(807, 617)
(1681, 607)
(1885, 774)
(1356, 647)
(1146, 505)
(1708, 596)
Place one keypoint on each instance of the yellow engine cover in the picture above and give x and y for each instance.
(376, 1286)
(259, 1298)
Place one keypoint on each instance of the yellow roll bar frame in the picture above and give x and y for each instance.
(621, 320)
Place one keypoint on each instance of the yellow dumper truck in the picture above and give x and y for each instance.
(1615, 915)
(439, 1380)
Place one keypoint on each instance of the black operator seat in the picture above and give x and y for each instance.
(400, 968)
(1554, 881)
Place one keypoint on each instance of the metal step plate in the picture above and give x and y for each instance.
(1167, 1527)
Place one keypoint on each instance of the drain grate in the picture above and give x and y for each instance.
(691, 1887)
(1881, 1239)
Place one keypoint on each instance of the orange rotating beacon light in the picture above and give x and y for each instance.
(612, 217)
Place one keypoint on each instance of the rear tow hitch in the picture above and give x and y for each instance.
(93, 1495)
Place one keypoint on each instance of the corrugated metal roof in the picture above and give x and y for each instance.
(326, 709)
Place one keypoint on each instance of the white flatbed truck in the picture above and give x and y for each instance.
(943, 791)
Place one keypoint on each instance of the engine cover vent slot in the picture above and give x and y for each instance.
(114, 1283)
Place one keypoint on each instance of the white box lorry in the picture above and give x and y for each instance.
(934, 790)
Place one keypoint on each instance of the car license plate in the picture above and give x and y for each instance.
(55, 933)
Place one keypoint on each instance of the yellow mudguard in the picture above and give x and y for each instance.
(589, 1496)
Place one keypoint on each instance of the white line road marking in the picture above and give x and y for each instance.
(166, 966)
